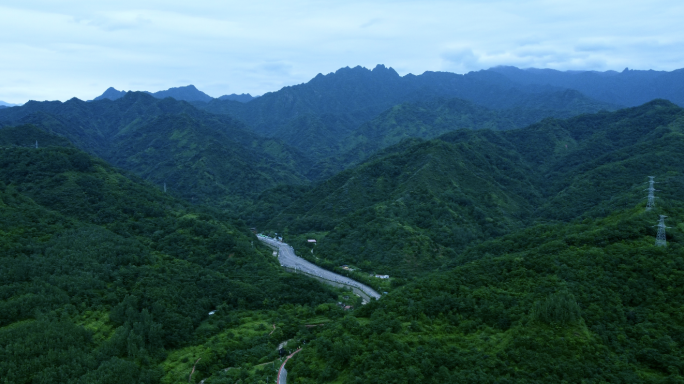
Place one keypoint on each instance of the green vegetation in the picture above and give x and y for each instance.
(340, 119)
(427, 120)
(418, 205)
(515, 255)
(202, 158)
(592, 301)
(106, 279)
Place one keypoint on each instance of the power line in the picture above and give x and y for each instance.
(661, 240)
(651, 198)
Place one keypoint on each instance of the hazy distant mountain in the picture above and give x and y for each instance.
(187, 93)
(320, 117)
(361, 94)
(4, 104)
(243, 98)
(111, 93)
(629, 87)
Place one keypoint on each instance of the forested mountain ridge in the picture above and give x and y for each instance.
(629, 87)
(362, 94)
(427, 120)
(106, 279)
(413, 206)
(200, 156)
(314, 116)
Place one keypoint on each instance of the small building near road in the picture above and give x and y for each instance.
(382, 276)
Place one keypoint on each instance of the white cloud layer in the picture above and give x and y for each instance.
(57, 50)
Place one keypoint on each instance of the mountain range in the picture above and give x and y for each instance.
(226, 160)
(502, 215)
(199, 156)
(629, 87)
(412, 207)
(186, 93)
(6, 105)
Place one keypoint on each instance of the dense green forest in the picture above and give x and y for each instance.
(106, 279)
(223, 162)
(517, 252)
(326, 118)
(593, 301)
(202, 158)
(411, 207)
(427, 120)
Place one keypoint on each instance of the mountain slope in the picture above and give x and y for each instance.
(415, 205)
(200, 156)
(554, 303)
(338, 103)
(428, 120)
(103, 276)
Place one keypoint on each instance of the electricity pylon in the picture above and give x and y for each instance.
(651, 199)
(661, 240)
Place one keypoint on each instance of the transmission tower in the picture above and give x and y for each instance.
(36, 144)
(661, 241)
(651, 199)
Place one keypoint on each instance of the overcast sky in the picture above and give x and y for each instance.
(55, 50)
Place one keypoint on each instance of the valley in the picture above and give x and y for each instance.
(482, 228)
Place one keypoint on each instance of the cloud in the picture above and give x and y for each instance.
(58, 50)
(462, 60)
(371, 22)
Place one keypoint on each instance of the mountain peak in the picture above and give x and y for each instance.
(388, 71)
(111, 93)
(186, 93)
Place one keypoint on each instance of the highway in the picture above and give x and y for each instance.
(287, 258)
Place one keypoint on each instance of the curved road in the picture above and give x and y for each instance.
(287, 258)
(282, 373)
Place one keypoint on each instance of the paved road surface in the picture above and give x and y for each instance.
(282, 373)
(287, 258)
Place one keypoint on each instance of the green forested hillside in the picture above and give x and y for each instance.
(106, 279)
(427, 120)
(28, 136)
(410, 210)
(201, 157)
(413, 206)
(587, 302)
(519, 255)
(218, 160)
